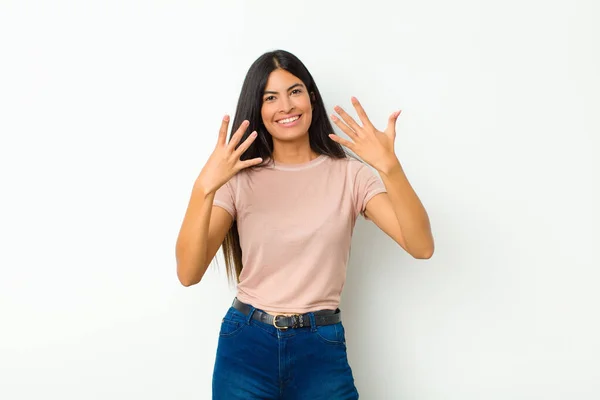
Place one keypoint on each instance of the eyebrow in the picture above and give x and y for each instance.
(290, 88)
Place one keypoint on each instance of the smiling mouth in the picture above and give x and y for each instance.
(289, 120)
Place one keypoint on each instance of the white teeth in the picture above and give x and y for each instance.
(288, 120)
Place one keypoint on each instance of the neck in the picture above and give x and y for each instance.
(293, 152)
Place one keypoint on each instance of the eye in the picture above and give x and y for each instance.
(296, 91)
(269, 98)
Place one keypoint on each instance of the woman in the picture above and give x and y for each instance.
(282, 197)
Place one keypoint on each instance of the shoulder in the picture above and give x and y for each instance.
(351, 168)
(349, 165)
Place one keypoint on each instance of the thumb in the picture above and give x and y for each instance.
(392, 121)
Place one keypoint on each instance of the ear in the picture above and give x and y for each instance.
(313, 98)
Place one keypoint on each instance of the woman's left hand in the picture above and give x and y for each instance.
(376, 148)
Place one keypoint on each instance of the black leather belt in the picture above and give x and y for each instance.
(283, 322)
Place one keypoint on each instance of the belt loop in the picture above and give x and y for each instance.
(249, 316)
(313, 323)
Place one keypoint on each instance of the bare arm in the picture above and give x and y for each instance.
(400, 214)
(204, 227)
(411, 227)
(203, 230)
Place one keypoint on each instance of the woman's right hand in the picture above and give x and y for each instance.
(224, 162)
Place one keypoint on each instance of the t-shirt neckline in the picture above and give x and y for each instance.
(297, 167)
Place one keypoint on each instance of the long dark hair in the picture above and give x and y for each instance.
(249, 108)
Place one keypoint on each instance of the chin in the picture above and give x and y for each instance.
(290, 135)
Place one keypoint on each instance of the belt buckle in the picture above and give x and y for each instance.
(297, 321)
(281, 328)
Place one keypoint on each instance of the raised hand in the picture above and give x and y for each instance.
(375, 147)
(224, 162)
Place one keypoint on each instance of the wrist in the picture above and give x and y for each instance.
(389, 166)
(203, 189)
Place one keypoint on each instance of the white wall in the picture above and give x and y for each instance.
(108, 111)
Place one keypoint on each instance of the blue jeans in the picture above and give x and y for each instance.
(258, 361)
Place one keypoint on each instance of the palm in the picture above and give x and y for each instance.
(375, 147)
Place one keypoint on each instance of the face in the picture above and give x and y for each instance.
(286, 109)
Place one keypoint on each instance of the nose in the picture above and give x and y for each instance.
(286, 105)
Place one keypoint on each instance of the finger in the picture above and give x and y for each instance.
(245, 144)
(348, 119)
(345, 128)
(223, 131)
(237, 136)
(341, 141)
(249, 163)
(361, 112)
(392, 121)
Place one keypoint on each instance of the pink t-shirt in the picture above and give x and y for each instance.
(295, 224)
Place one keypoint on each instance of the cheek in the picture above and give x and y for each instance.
(309, 108)
(307, 117)
(264, 113)
(308, 114)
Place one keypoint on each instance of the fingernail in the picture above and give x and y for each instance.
(333, 117)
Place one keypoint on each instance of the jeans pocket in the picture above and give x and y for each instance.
(232, 323)
(230, 328)
(332, 334)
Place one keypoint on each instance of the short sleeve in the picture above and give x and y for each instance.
(367, 184)
(225, 197)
